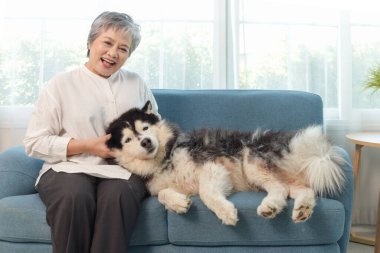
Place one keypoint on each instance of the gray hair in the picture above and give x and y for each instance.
(118, 21)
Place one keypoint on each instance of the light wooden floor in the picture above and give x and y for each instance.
(360, 248)
(364, 230)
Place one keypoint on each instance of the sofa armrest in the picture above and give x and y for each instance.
(18, 172)
(346, 197)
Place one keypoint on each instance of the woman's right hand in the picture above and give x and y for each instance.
(95, 146)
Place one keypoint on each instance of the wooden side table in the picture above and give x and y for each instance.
(361, 139)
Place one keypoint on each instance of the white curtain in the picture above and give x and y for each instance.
(323, 47)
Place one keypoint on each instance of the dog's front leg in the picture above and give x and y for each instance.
(174, 201)
(214, 186)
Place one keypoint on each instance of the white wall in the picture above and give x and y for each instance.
(10, 137)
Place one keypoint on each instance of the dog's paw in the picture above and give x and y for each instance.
(228, 214)
(179, 203)
(302, 212)
(174, 201)
(269, 209)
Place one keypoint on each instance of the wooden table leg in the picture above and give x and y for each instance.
(377, 244)
(354, 237)
(358, 150)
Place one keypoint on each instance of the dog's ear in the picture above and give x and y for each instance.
(148, 108)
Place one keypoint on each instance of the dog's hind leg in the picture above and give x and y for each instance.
(304, 201)
(214, 186)
(259, 175)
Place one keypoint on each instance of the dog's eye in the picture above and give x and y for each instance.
(128, 140)
(145, 128)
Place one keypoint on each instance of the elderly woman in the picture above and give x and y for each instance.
(91, 206)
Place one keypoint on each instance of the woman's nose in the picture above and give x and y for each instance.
(112, 52)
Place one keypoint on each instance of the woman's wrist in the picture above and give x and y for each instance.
(76, 147)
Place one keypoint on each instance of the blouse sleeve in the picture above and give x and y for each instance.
(42, 139)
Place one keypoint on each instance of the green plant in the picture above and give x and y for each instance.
(373, 81)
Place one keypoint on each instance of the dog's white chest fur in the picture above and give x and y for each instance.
(185, 179)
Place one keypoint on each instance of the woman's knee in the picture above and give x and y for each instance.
(77, 197)
(114, 191)
(68, 192)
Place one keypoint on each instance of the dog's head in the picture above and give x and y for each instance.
(134, 134)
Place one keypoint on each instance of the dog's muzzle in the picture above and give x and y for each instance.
(147, 144)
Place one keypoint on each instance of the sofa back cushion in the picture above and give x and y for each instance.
(18, 172)
(240, 109)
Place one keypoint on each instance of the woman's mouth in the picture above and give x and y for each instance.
(107, 63)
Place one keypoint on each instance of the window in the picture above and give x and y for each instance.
(177, 46)
(365, 39)
(323, 47)
(288, 46)
(176, 49)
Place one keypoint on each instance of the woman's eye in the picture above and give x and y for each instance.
(145, 128)
(128, 140)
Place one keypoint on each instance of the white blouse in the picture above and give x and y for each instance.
(80, 104)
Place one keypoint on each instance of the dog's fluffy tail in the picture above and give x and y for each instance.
(313, 156)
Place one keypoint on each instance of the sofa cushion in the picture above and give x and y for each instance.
(18, 172)
(329, 248)
(151, 227)
(22, 219)
(240, 109)
(202, 228)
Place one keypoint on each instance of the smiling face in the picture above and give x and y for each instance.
(108, 52)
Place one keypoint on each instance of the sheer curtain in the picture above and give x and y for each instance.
(325, 47)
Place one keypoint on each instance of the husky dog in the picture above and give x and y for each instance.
(215, 163)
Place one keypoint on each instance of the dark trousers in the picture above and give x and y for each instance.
(89, 214)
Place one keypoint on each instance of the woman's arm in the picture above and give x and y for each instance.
(42, 138)
(94, 146)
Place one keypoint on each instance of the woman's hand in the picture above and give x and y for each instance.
(98, 146)
(95, 146)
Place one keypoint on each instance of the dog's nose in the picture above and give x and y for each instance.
(146, 143)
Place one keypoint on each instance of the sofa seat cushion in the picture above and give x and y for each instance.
(200, 227)
(22, 219)
(151, 226)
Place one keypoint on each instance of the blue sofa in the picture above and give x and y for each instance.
(22, 214)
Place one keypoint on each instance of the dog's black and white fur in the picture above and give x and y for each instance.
(215, 163)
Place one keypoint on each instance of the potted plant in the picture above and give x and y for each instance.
(373, 81)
